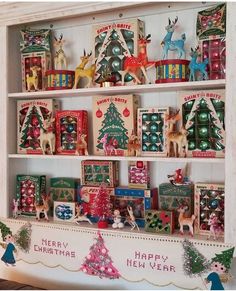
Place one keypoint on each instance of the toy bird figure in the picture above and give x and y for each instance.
(177, 178)
(21, 239)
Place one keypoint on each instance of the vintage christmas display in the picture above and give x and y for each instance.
(159, 221)
(63, 211)
(101, 207)
(114, 120)
(112, 42)
(152, 129)
(209, 209)
(96, 172)
(203, 114)
(70, 125)
(139, 174)
(35, 58)
(29, 191)
(172, 70)
(35, 126)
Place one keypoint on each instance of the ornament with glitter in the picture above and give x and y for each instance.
(98, 262)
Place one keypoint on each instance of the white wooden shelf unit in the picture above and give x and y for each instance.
(202, 170)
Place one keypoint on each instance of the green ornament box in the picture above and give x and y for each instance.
(170, 197)
(29, 190)
(203, 116)
(159, 221)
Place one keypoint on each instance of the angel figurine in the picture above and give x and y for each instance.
(21, 239)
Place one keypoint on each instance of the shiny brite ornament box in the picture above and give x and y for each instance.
(30, 117)
(114, 120)
(203, 116)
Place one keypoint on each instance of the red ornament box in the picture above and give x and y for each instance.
(208, 199)
(70, 124)
(29, 190)
(40, 59)
(95, 173)
(114, 120)
(138, 174)
(30, 117)
(203, 115)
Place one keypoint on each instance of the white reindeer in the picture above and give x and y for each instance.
(15, 211)
(131, 219)
(47, 137)
(60, 57)
(80, 216)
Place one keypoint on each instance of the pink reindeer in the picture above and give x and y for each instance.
(108, 147)
(216, 228)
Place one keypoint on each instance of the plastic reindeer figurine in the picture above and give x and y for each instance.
(177, 138)
(131, 219)
(81, 72)
(195, 66)
(173, 45)
(117, 220)
(133, 146)
(82, 146)
(43, 208)
(185, 221)
(133, 65)
(79, 217)
(15, 211)
(109, 147)
(216, 228)
(60, 57)
(33, 81)
(47, 136)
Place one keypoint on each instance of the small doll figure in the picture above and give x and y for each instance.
(117, 220)
(216, 277)
(8, 256)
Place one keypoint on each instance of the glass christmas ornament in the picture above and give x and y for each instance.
(204, 145)
(145, 137)
(153, 148)
(153, 138)
(116, 50)
(69, 128)
(191, 132)
(145, 117)
(217, 103)
(144, 147)
(202, 104)
(213, 203)
(154, 117)
(188, 105)
(202, 117)
(191, 145)
(203, 131)
(153, 127)
(130, 45)
(128, 34)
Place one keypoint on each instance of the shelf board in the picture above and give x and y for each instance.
(118, 158)
(148, 88)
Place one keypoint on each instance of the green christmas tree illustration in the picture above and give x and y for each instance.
(26, 140)
(113, 126)
(225, 258)
(195, 263)
(204, 126)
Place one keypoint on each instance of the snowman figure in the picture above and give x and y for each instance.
(117, 220)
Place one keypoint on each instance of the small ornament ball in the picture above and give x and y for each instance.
(204, 145)
(203, 117)
(153, 127)
(203, 131)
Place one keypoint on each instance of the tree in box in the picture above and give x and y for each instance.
(101, 207)
(98, 262)
(113, 132)
(31, 130)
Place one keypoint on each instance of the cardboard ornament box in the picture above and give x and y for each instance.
(35, 64)
(95, 173)
(203, 116)
(30, 117)
(159, 221)
(152, 130)
(209, 200)
(29, 191)
(138, 174)
(70, 125)
(111, 43)
(63, 211)
(114, 120)
(170, 197)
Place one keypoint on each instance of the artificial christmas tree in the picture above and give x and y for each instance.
(101, 207)
(98, 262)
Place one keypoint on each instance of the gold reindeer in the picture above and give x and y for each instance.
(133, 146)
(81, 72)
(33, 81)
(42, 208)
(177, 138)
(82, 147)
(60, 57)
(185, 221)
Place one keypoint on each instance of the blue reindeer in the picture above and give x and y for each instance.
(194, 66)
(173, 45)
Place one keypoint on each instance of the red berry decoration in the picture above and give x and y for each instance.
(126, 112)
(99, 113)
